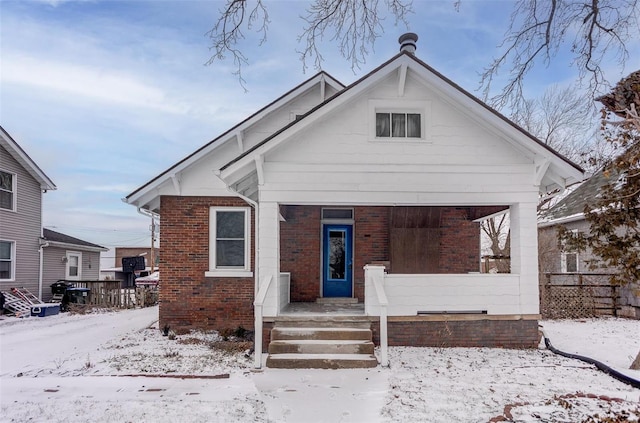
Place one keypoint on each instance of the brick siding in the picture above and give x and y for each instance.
(461, 333)
(188, 299)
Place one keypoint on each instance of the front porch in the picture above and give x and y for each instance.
(413, 275)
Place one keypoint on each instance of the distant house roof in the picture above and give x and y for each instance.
(58, 239)
(25, 161)
(571, 207)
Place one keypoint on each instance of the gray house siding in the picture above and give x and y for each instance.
(55, 268)
(23, 226)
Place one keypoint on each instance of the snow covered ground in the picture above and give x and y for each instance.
(117, 367)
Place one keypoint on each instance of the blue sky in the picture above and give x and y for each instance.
(105, 95)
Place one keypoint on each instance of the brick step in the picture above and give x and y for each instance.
(316, 346)
(321, 361)
(324, 333)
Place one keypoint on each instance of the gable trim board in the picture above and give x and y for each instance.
(23, 158)
(236, 132)
(482, 114)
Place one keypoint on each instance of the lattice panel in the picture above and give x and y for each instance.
(568, 302)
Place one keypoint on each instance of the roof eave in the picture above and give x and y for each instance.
(154, 183)
(23, 158)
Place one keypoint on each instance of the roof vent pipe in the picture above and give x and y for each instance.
(408, 42)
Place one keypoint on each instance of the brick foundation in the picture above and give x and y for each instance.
(461, 333)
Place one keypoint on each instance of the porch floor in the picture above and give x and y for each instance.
(319, 309)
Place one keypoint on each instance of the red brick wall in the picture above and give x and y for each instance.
(300, 251)
(471, 333)
(371, 242)
(187, 298)
(300, 244)
(459, 242)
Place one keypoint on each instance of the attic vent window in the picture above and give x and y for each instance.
(337, 214)
(398, 125)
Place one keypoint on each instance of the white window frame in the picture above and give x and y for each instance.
(563, 261)
(224, 271)
(423, 108)
(12, 260)
(14, 193)
(564, 254)
(68, 255)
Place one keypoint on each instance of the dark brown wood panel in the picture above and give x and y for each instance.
(414, 240)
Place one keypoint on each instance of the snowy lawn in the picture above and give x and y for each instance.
(117, 367)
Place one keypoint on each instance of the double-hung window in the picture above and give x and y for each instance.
(7, 260)
(398, 125)
(7, 190)
(230, 238)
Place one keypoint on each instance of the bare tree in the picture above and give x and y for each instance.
(564, 120)
(540, 28)
(537, 30)
(354, 25)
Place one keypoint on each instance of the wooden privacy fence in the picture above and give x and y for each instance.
(578, 295)
(108, 293)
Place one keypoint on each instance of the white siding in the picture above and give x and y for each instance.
(496, 294)
(199, 179)
(336, 159)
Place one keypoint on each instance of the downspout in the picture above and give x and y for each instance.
(152, 215)
(257, 351)
(40, 272)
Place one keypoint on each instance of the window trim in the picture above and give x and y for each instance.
(563, 261)
(563, 257)
(225, 271)
(423, 108)
(12, 260)
(67, 266)
(14, 190)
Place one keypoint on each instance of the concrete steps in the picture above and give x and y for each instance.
(329, 343)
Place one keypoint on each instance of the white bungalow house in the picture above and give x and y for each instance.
(356, 209)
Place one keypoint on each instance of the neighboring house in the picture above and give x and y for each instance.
(318, 193)
(554, 259)
(114, 272)
(68, 258)
(22, 184)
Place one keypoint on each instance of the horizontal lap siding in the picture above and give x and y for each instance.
(23, 226)
(188, 299)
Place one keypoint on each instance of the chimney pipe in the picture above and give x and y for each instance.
(408, 42)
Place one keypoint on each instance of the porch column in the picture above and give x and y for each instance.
(524, 254)
(268, 244)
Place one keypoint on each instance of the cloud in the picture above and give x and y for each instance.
(77, 80)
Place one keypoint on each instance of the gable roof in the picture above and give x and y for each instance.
(57, 239)
(571, 207)
(25, 161)
(219, 140)
(555, 165)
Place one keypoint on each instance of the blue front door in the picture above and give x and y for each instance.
(337, 261)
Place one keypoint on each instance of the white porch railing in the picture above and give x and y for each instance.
(267, 300)
(376, 304)
(284, 290)
(258, 305)
(492, 294)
